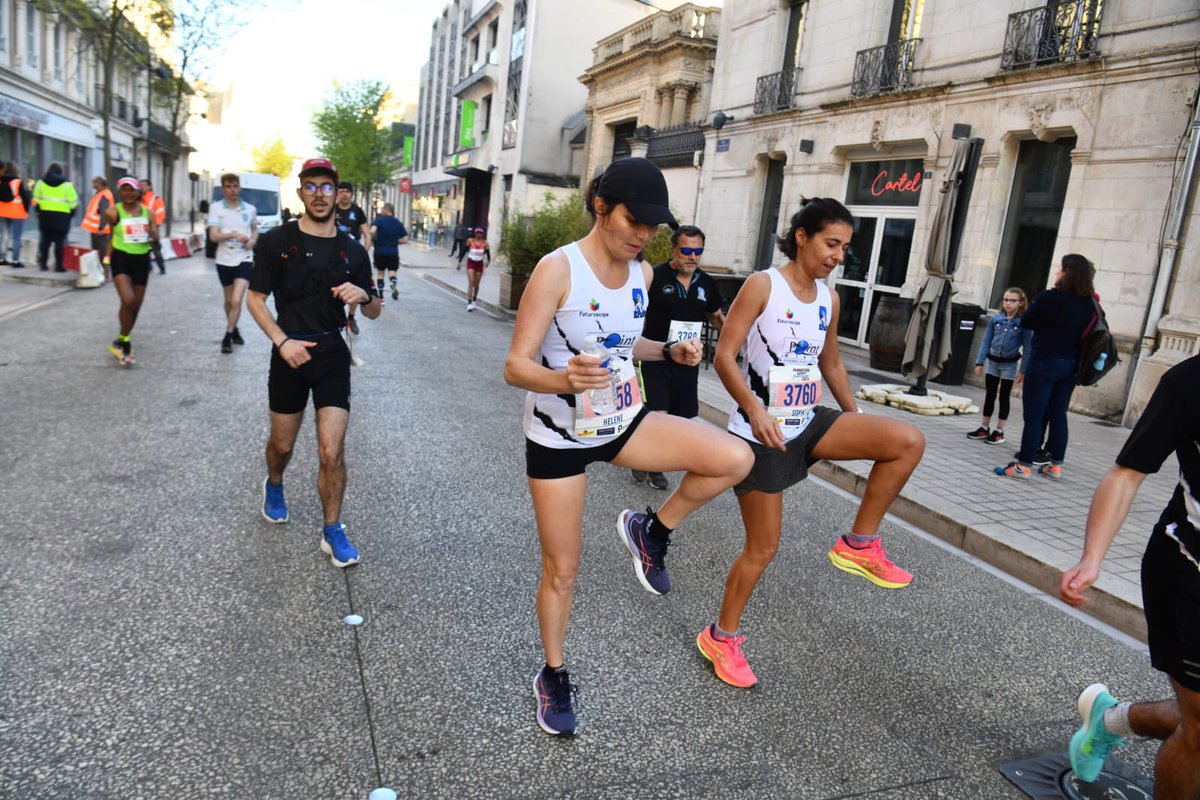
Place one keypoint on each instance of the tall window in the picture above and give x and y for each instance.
(31, 21)
(486, 108)
(516, 59)
(906, 20)
(58, 51)
(1034, 211)
(3, 24)
(797, 13)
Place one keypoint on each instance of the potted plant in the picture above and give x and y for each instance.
(524, 240)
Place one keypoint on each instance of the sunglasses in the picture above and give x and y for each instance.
(326, 189)
(691, 251)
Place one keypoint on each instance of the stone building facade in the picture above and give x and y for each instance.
(1084, 109)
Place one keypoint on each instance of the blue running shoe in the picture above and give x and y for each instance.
(1091, 743)
(335, 544)
(553, 693)
(647, 553)
(274, 507)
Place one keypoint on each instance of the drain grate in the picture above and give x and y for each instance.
(1050, 777)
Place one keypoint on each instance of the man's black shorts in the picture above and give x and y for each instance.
(671, 387)
(327, 376)
(135, 265)
(1171, 597)
(227, 275)
(384, 261)
(548, 463)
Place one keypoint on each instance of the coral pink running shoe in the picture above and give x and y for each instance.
(727, 658)
(870, 562)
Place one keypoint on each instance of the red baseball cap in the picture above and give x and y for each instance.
(317, 165)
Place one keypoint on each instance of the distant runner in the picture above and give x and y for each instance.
(133, 232)
(351, 220)
(388, 233)
(233, 225)
(478, 257)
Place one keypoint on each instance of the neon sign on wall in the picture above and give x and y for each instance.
(885, 183)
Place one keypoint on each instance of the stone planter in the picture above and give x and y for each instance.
(511, 289)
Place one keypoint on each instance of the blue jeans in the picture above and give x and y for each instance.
(14, 228)
(1049, 383)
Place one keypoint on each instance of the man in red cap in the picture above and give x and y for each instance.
(314, 270)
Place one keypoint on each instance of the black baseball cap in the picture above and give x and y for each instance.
(639, 184)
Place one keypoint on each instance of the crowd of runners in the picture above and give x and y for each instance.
(607, 347)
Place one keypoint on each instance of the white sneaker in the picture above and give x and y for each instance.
(470, 306)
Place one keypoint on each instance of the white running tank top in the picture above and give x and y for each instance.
(476, 253)
(593, 311)
(789, 332)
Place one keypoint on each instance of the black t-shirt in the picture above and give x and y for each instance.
(670, 301)
(1171, 424)
(350, 220)
(302, 280)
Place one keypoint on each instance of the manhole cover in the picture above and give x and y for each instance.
(1050, 778)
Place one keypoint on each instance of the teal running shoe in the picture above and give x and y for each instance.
(1091, 743)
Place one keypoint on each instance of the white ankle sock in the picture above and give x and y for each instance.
(1116, 720)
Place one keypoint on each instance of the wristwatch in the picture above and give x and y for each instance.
(667, 352)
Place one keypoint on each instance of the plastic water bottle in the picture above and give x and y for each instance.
(1100, 361)
(602, 401)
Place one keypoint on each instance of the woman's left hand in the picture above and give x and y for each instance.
(1020, 378)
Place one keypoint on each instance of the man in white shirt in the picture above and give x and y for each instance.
(233, 225)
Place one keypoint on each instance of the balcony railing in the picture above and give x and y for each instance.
(1052, 34)
(884, 69)
(776, 92)
(675, 146)
(688, 20)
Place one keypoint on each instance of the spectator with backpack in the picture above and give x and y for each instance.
(1059, 317)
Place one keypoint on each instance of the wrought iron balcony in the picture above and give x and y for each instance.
(776, 92)
(1052, 34)
(884, 69)
(675, 146)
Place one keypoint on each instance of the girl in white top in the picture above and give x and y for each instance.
(589, 291)
(786, 320)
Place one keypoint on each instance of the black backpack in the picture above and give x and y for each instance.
(1096, 347)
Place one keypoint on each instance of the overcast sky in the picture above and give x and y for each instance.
(283, 65)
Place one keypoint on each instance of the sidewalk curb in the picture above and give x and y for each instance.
(1104, 606)
(492, 308)
(65, 280)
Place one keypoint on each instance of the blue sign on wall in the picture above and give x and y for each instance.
(722, 145)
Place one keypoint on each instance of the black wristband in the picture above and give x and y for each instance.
(281, 341)
(667, 352)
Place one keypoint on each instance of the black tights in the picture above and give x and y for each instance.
(994, 384)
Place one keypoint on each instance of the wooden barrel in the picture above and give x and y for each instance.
(886, 336)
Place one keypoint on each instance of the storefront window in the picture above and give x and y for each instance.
(885, 183)
(6, 144)
(58, 152)
(28, 156)
(1034, 211)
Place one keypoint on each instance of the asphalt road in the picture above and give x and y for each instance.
(159, 640)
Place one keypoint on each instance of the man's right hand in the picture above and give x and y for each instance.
(294, 352)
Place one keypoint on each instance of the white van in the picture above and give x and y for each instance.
(260, 191)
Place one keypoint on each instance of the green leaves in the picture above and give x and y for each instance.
(350, 133)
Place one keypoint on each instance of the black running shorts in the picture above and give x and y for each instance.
(775, 470)
(671, 387)
(1171, 597)
(383, 261)
(135, 265)
(327, 376)
(227, 275)
(548, 463)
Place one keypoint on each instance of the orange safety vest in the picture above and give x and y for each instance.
(14, 209)
(91, 219)
(156, 205)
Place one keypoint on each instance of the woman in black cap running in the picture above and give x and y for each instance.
(578, 411)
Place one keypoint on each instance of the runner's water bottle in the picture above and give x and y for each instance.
(602, 401)
(1098, 364)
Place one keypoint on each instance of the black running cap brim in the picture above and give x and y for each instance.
(650, 214)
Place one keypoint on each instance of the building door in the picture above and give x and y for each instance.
(768, 225)
(876, 265)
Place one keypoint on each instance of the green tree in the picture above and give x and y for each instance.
(350, 133)
(272, 158)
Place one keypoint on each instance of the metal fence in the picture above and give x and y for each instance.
(676, 146)
(776, 92)
(1052, 34)
(884, 69)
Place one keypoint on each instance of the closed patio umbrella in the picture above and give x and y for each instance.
(927, 340)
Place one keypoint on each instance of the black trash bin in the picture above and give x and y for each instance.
(963, 318)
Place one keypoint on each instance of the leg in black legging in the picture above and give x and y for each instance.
(1005, 391)
(991, 384)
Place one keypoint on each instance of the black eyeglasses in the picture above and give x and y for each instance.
(326, 189)
(691, 251)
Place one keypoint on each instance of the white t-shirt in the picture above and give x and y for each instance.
(242, 219)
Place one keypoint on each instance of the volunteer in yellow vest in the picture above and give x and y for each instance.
(94, 221)
(133, 232)
(158, 210)
(56, 201)
(14, 210)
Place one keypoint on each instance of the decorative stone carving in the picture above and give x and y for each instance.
(1039, 119)
(877, 135)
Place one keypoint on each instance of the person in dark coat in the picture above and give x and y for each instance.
(56, 201)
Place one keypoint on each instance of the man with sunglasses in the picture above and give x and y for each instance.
(682, 297)
(314, 270)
